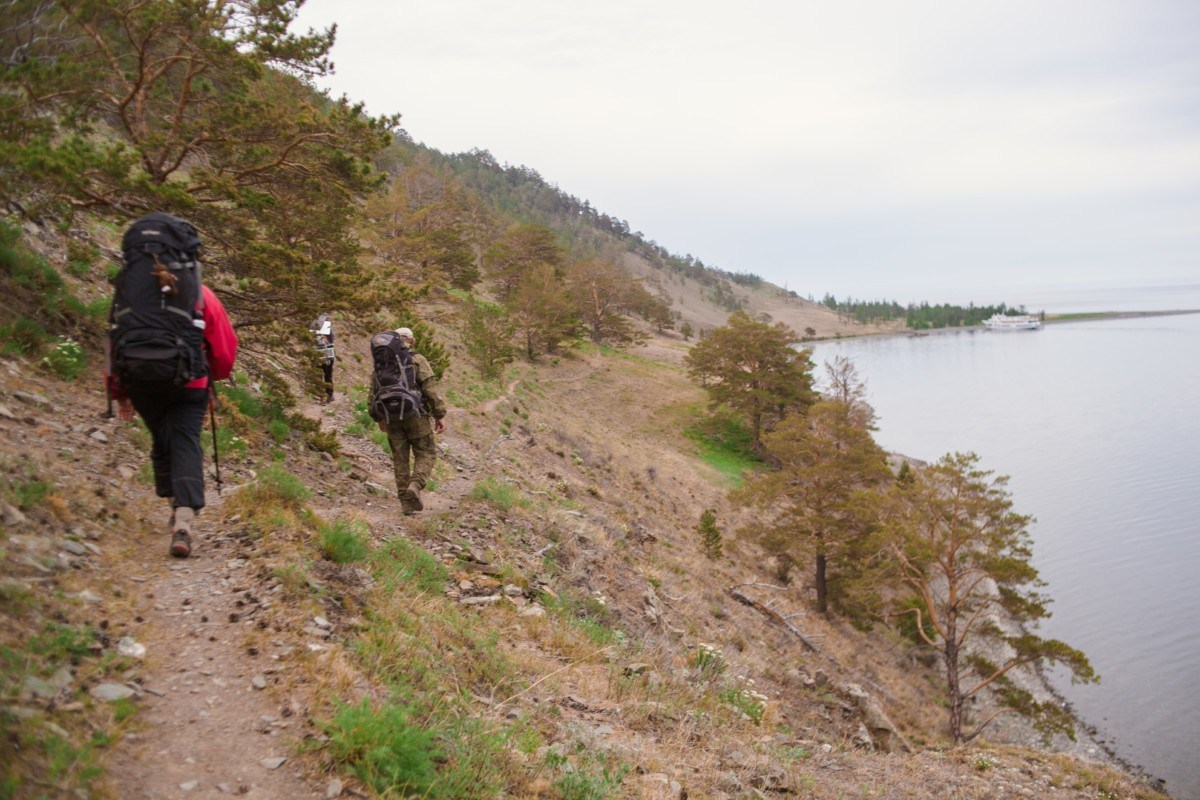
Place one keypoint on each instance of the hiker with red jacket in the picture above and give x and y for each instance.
(170, 339)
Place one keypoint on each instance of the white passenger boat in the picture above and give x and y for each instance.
(1012, 322)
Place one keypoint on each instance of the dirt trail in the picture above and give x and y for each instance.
(217, 719)
(211, 723)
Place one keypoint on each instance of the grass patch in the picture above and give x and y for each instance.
(273, 501)
(499, 494)
(591, 777)
(424, 740)
(22, 335)
(401, 564)
(591, 617)
(385, 749)
(345, 541)
(723, 442)
(51, 749)
(30, 494)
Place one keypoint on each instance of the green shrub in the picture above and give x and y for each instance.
(345, 541)
(707, 660)
(80, 257)
(710, 534)
(275, 486)
(21, 336)
(385, 749)
(591, 778)
(279, 430)
(31, 493)
(746, 700)
(67, 359)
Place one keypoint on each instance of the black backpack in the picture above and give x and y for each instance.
(157, 322)
(396, 392)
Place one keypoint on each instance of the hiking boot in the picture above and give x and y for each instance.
(407, 507)
(181, 544)
(412, 496)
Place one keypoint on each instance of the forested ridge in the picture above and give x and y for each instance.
(655, 561)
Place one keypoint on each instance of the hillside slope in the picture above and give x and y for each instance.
(548, 627)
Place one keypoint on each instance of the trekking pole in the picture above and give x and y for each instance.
(108, 412)
(212, 411)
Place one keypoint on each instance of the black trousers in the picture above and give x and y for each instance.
(327, 368)
(175, 419)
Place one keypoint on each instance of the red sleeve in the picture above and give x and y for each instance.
(219, 336)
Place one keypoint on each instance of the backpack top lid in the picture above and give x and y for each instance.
(162, 233)
(389, 339)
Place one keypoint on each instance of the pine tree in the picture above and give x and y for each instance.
(819, 501)
(753, 368)
(964, 555)
(710, 534)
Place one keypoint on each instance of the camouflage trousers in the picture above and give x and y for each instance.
(412, 440)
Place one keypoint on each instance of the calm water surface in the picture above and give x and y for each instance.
(1098, 425)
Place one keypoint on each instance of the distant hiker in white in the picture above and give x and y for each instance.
(322, 328)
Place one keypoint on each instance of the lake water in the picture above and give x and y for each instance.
(1098, 425)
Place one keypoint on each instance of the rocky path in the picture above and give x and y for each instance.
(213, 721)
(216, 718)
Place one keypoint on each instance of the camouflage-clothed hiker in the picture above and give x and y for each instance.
(415, 434)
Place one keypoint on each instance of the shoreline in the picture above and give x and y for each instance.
(1083, 316)
(1048, 318)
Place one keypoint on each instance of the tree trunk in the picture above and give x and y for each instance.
(954, 691)
(822, 587)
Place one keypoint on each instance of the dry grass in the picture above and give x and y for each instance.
(610, 492)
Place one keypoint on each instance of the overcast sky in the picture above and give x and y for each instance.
(899, 149)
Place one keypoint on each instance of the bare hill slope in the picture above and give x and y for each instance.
(548, 627)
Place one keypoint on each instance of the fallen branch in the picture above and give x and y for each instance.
(737, 594)
(495, 444)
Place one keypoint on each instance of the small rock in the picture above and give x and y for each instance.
(126, 472)
(128, 646)
(322, 623)
(258, 682)
(512, 590)
(33, 399)
(635, 669)
(481, 601)
(334, 789)
(533, 611)
(189, 785)
(56, 729)
(4, 412)
(10, 515)
(98, 436)
(74, 548)
(273, 763)
(111, 692)
(88, 596)
(34, 687)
